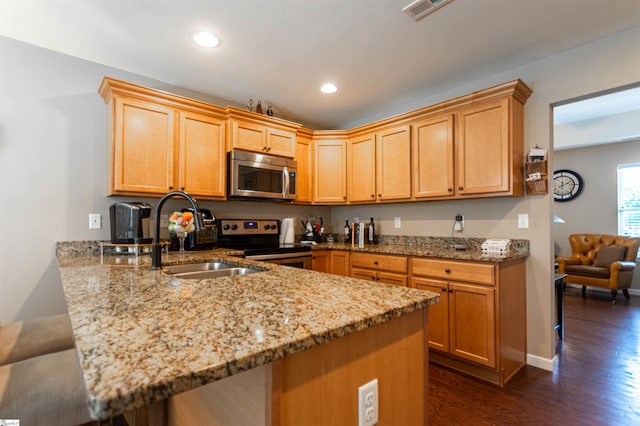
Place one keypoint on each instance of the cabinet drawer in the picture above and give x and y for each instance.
(481, 273)
(379, 262)
(383, 277)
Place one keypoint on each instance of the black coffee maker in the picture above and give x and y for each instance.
(130, 222)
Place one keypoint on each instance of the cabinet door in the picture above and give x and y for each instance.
(433, 160)
(280, 142)
(304, 179)
(143, 147)
(483, 149)
(340, 262)
(320, 260)
(249, 136)
(472, 323)
(393, 151)
(330, 172)
(361, 169)
(438, 322)
(391, 278)
(202, 169)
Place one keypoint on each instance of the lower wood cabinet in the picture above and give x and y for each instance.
(379, 267)
(479, 326)
(321, 260)
(331, 261)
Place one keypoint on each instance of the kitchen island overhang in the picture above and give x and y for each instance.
(143, 336)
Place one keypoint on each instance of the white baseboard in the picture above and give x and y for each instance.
(543, 363)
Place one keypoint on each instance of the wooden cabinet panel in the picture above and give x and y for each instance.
(483, 149)
(280, 142)
(143, 147)
(249, 136)
(472, 323)
(379, 262)
(340, 262)
(304, 179)
(321, 260)
(482, 273)
(438, 322)
(394, 164)
(432, 142)
(330, 171)
(202, 162)
(383, 277)
(362, 169)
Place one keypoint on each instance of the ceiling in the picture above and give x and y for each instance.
(282, 51)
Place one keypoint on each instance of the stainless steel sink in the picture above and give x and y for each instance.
(198, 267)
(208, 270)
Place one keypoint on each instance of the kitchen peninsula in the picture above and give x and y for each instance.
(294, 343)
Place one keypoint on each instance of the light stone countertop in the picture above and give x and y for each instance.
(143, 336)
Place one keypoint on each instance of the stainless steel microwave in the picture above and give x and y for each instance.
(261, 176)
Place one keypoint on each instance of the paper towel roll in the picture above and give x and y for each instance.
(287, 231)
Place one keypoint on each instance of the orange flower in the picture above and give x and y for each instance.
(187, 216)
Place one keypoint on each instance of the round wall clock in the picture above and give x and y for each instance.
(567, 185)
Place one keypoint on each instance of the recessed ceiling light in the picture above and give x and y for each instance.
(205, 39)
(328, 88)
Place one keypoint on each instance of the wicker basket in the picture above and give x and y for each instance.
(537, 186)
(535, 167)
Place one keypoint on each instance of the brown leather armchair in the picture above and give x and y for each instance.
(600, 260)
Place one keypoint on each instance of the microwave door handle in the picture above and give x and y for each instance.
(285, 182)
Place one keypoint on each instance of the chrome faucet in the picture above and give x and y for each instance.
(156, 251)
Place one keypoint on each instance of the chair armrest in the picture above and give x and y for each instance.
(564, 261)
(623, 266)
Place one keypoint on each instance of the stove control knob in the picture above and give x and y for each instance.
(266, 226)
(273, 226)
(234, 227)
(226, 227)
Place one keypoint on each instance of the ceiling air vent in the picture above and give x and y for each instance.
(421, 8)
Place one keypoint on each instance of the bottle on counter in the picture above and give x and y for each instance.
(372, 232)
(347, 230)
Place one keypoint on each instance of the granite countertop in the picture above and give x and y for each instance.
(143, 336)
(472, 253)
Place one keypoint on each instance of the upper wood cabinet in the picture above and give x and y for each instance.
(304, 158)
(330, 170)
(361, 168)
(161, 142)
(488, 160)
(379, 166)
(433, 158)
(393, 165)
(260, 133)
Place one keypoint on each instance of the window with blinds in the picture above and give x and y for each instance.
(629, 199)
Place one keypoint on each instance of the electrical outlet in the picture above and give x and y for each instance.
(523, 220)
(95, 221)
(459, 224)
(397, 222)
(356, 220)
(368, 403)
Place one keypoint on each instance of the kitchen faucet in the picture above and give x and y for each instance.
(156, 252)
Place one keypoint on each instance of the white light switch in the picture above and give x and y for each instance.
(523, 220)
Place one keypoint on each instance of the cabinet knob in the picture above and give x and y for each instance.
(182, 188)
(450, 189)
(375, 262)
(448, 271)
(379, 195)
(450, 290)
(444, 289)
(170, 187)
(460, 188)
(344, 198)
(373, 196)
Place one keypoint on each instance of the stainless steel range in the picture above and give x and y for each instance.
(259, 239)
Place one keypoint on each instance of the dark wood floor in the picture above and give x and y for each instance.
(597, 381)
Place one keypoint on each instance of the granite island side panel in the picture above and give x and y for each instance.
(143, 336)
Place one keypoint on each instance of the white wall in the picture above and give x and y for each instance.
(53, 147)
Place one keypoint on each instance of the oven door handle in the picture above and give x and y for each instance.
(285, 181)
(278, 256)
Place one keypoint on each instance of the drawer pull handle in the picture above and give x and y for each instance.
(375, 262)
(447, 270)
